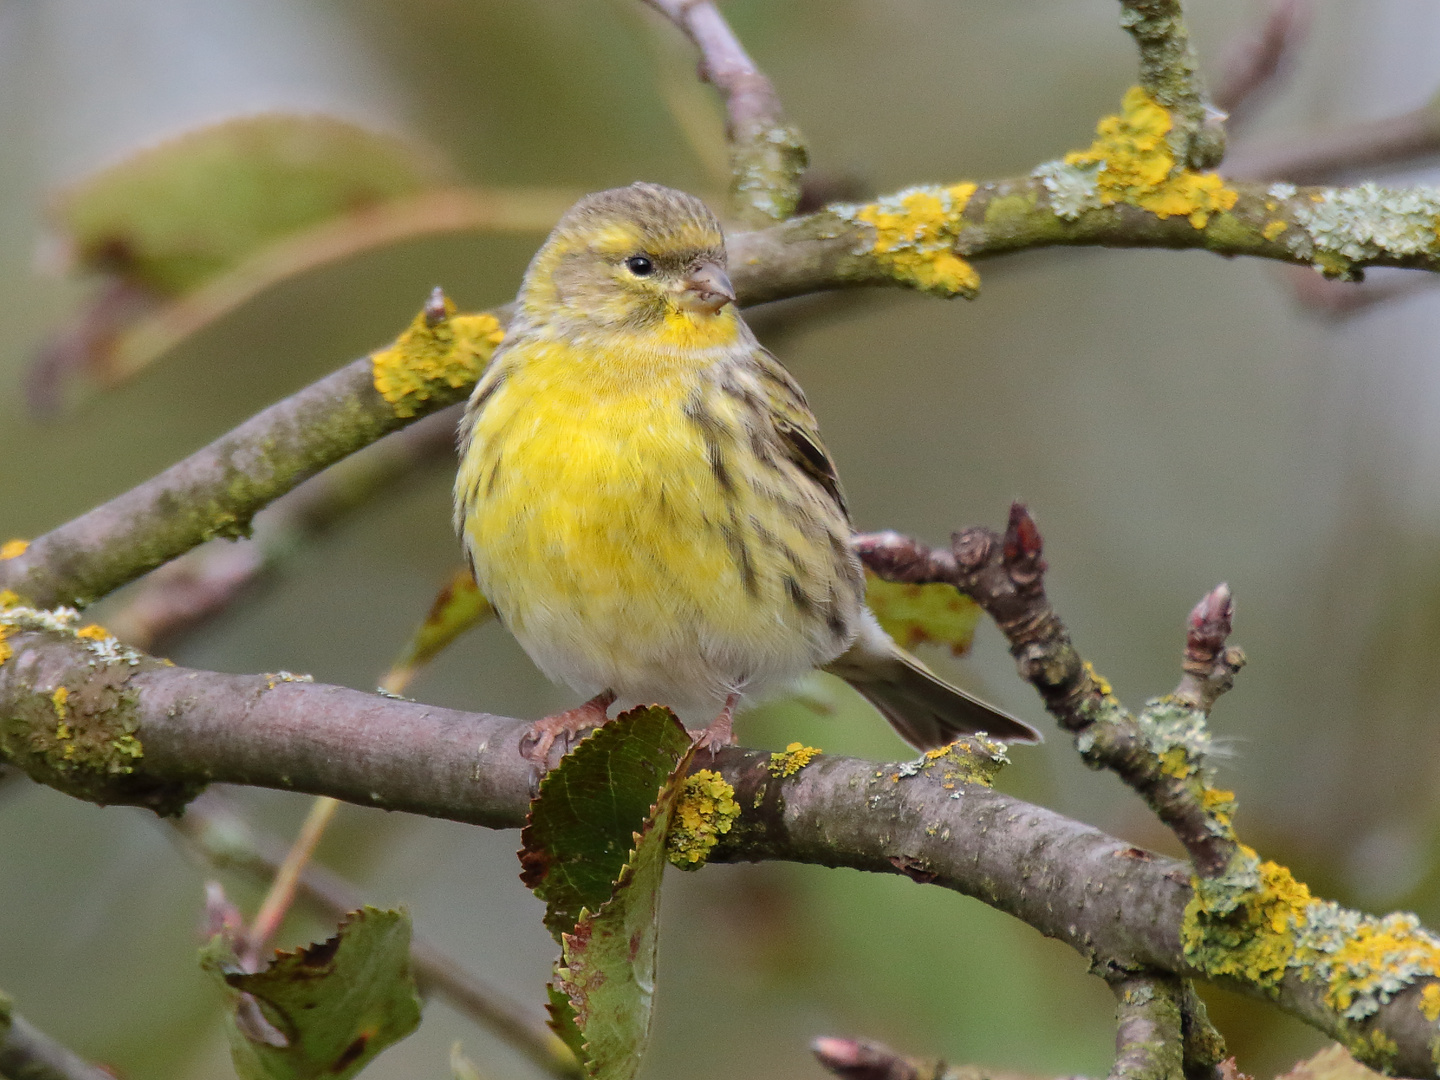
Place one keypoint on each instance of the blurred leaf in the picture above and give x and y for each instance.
(457, 607)
(442, 211)
(594, 851)
(461, 1067)
(914, 614)
(325, 1010)
(1332, 1063)
(180, 212)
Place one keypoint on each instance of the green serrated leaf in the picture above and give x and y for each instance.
(562, 1018)
(457, 607)
(176, 214)
(325, 1010)
(595, 853)
(915, 614)
(584, 821)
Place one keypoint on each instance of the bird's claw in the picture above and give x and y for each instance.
(563, 727)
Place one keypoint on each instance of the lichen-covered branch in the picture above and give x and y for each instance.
(1149, 1044)
(226, 841)
(29, 1054)
(108, 725)
(767, 152)
(1126, 190)
(1170, 74)
(218, 490)
(1160, 753)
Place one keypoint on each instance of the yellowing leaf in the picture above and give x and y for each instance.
(457, 607)
(325, 1010)
(914, 614)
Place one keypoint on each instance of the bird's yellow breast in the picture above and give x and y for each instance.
(599, 528)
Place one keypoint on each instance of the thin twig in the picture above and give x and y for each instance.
(216, 833)
(1253, 62)
(207, 581)
(29, 1054)
(767, 152)
(1170, 73)
(1005, 576)
(1385, 142)
(282, 887)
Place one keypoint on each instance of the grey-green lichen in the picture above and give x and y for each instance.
(1073, 189)
(1369, 221)
(1255, 922)
(765, 170)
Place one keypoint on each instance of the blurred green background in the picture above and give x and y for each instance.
(1173, 420)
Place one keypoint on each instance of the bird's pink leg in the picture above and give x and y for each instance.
(535, 744)
(718, 734)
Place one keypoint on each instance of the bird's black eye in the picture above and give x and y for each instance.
(640, 266)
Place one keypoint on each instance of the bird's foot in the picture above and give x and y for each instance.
(718, 735)
(541, 736)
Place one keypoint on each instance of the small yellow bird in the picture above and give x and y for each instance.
(645, 500)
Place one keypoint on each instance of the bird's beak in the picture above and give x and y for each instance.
(707, 288)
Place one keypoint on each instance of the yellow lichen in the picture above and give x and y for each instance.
(1136, 165)
(705, 810)
(915, 235)
(1102, 684)
(794, 758)
(1176, 762)
(5, 650)
(9, 598)
(1378, 957)
(425, 357)
(1378, 1051)
(971, 759)
(1255, 923)
(95, 632)
(13, 549)
(59, 699)
(1274, 229)
(1244, 927)
(1430, 1002)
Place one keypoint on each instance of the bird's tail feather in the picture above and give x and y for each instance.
(923, 708)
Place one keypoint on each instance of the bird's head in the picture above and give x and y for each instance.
(636, 259)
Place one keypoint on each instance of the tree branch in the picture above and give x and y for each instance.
(1160, 754)
(1382, 142)
(129, 729)
(28, 1054)
(1170, 74)
(767, 152)
(1252, 62)
(1148, 1041)
(915, 238)
(212, 577)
